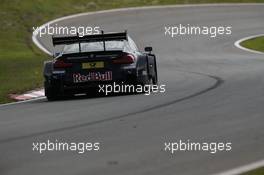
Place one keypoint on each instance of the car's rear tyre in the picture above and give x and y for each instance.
(51, 92)
(155, 78)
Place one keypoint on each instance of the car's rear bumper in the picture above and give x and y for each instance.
(125, 76)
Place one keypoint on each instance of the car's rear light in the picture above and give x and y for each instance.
(124, 59)
(61, 64)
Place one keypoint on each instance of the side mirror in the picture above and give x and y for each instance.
(148, 49)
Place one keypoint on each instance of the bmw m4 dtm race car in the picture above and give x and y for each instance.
(88, 61)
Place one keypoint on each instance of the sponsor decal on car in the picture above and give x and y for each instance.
(92, 76)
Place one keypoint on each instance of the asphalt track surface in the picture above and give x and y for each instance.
(214, 93)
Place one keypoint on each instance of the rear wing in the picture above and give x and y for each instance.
(63, 40)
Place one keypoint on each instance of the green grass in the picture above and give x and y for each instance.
(20, 61)
(254, 44)
(259, 171)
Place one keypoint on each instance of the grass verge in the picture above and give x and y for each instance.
(20, 61)
(254, 44)
(259, 171)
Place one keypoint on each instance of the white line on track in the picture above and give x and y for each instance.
(243, 169)
(237, 44)
(36, 41)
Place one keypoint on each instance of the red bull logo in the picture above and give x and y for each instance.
(92, 76)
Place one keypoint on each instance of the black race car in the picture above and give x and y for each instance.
(89, 61)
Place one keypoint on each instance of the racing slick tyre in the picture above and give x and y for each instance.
(155, 78)
(51, 92)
